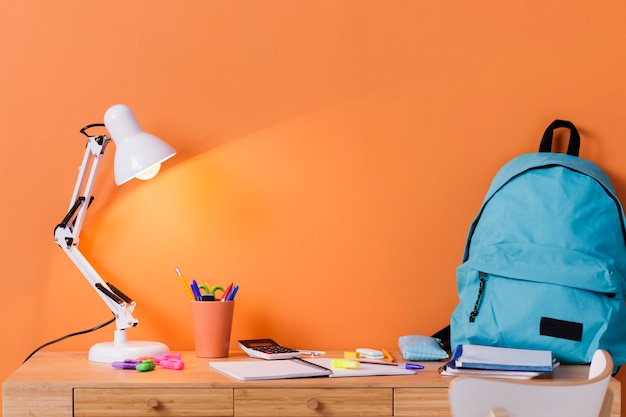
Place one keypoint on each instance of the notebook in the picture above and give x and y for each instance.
(249, 370)
(449, 371)
(501, 359)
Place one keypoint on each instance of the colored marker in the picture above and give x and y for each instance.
(227, 292)
(175, 364)
(146, 366)
(387, 355)
(344, 363)
(126, 364)
(233, 293)
(196, 291)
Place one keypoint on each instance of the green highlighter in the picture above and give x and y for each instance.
(145, 365)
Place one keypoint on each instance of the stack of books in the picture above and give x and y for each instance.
(499, 362)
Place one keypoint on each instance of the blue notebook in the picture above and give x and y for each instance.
(501, 359)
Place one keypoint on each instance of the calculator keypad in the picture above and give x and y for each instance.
(271, 350)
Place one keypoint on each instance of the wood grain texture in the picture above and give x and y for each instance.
(67, 384)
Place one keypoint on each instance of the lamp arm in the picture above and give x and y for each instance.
(66, 234)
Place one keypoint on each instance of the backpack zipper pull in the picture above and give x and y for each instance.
(483, 278)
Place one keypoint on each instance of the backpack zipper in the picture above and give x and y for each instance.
(482, 276)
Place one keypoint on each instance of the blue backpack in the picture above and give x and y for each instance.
(545, 260)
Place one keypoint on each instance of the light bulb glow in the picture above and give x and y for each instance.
(149, 173)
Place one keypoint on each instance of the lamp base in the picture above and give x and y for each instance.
(121, 349)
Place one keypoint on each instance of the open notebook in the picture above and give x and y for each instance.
(300, 368)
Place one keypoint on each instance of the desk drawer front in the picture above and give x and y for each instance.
(416, 402)
(143, 402)
(303, 402)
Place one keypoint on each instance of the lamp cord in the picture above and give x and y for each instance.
(68, 336)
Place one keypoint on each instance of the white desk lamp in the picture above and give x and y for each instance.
(139, 155)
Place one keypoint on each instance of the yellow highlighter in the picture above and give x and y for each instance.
(344, 363)
(351, 355)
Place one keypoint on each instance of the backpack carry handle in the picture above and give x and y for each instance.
(574, 137)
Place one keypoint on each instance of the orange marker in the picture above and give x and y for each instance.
(387, 355)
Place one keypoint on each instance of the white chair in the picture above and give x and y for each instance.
(492, 397)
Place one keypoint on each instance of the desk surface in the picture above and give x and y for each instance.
(74, 369)
(59, 373)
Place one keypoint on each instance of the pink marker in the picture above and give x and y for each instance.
(175, 364)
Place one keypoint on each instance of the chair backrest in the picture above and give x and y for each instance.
(492, 397)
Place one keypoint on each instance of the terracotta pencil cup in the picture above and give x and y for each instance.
(212, 323)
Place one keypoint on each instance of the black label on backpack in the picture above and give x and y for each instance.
(562, 329)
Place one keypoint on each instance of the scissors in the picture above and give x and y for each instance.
(211, 290)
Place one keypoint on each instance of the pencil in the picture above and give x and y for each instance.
(184, 282)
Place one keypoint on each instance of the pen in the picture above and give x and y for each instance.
(184, 282)
(227, 292)
(195, 290)
(233, 293)
(407, 365)
(311, 352)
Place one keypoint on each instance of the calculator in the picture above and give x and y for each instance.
(267, 349)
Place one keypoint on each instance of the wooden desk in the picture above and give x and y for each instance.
(67, 384)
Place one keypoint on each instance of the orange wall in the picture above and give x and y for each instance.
(331, 154)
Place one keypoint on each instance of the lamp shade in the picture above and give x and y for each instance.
(138, 154)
